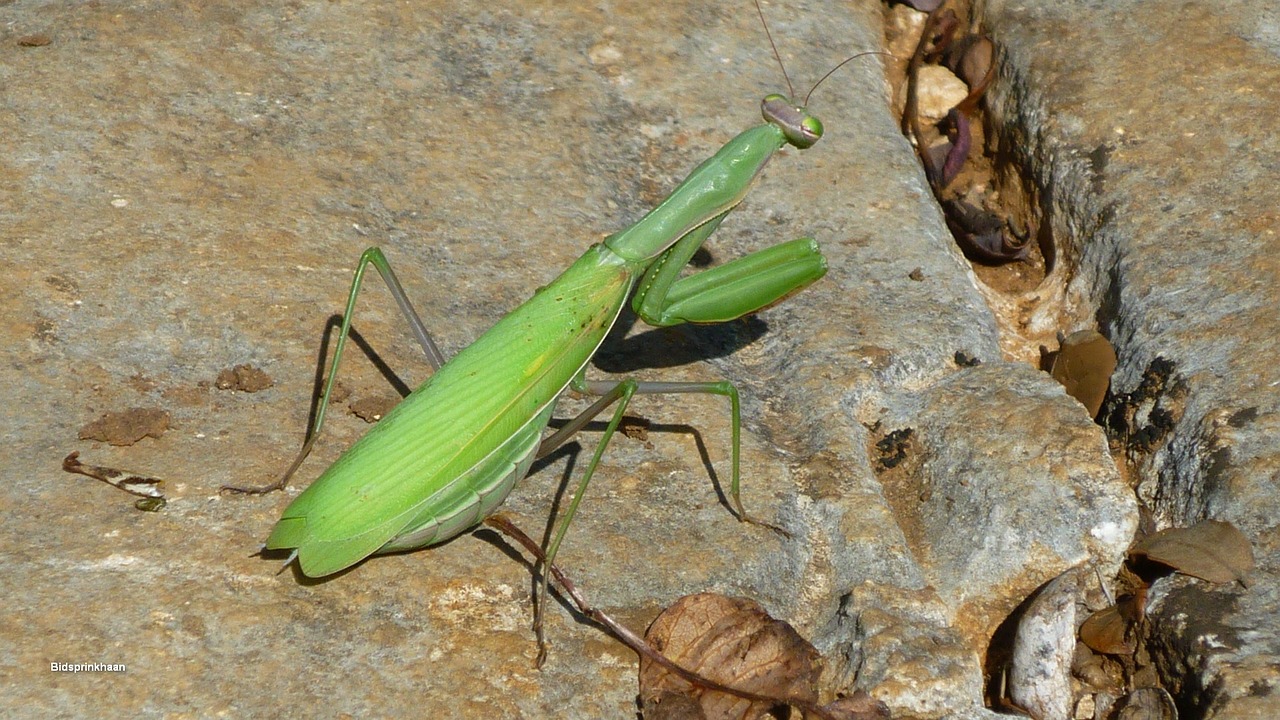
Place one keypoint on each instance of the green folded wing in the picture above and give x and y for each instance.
(470, 409)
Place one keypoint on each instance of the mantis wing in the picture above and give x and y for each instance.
(418, 462)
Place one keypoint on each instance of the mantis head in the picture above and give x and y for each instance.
(801, 128)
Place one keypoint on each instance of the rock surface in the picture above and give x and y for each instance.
(1162, 178)
(188, 186)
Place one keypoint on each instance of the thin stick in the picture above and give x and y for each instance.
(910, 113)
(147, 487)
(630, 639)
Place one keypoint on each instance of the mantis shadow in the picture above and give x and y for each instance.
(572, 449)
(673, 346)
(331, 327)
(618, 354)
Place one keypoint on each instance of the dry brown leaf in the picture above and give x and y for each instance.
(732, 641)
(1084, 365)
(976, 61)
(1210, 550)
(1108, 631)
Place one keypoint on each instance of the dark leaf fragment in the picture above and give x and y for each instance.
(982, 235)
(972, 59)
(148, 488)
(1108, 631)
(961, 138)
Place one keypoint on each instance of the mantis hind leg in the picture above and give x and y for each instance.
(610, 392)
(371, 256)
(621, 393)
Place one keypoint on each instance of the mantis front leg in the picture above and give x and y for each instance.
(726, 292)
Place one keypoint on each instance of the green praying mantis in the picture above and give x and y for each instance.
(449, 454)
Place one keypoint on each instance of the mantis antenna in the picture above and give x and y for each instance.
(791, 91)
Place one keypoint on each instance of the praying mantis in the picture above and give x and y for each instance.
(450, 453)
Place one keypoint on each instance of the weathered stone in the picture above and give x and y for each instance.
(1013, 486)
(1160, 177)
(1039, 677)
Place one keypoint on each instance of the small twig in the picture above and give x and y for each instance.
(632, 640)
(133, 484)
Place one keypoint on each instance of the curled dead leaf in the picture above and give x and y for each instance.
(1210, 550)
(983, 235)
(972, 59)
(977, 58)
(732, 641)
(1147, 703)
(1109, 631)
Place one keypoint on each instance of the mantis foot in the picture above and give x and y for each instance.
(252, 489)
(784, 533)
(743, 516)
